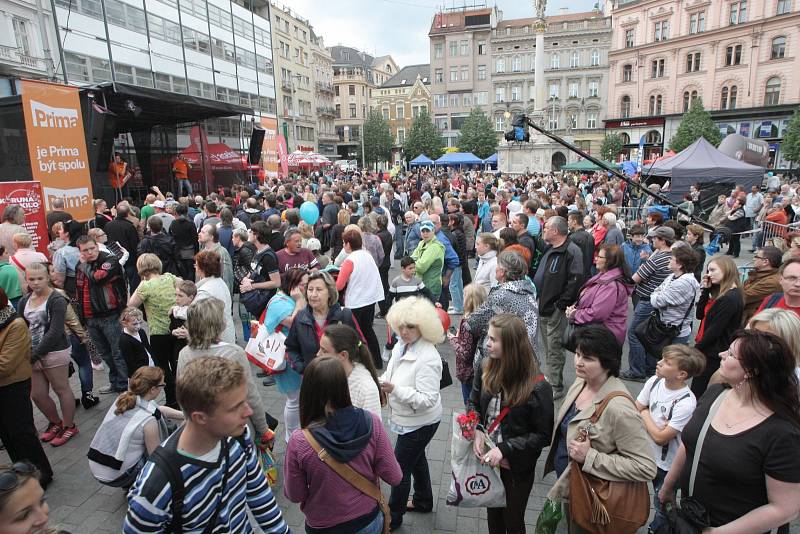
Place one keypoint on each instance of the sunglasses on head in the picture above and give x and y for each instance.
(9, 476)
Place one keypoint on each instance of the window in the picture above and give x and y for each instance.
(481, 72)
(778, 48)
(772, 95)
(661, 30)
(553, 122)
(464, 73)
(627, 72)
(531, 92)
(688, 98)
(352, 111)
(693, 62)
(554, 90)
(555, 61)
(733, 55)
(400, 111)
(351, 90)
(500, 65)
(467, 100)
(22, 35)
(628, 38)
(516, 64)
(481, 48)
(453, 74)
(401, 136)
(573, 120)
(697, 22)
(441, 123)
(784, 6)
(438, 50)
(591, 119)
(655, 105)
(595, 58)
(336, 90)
(385, 113)
(738, 12)
(657, 68)
(574, 61)
(438, 76)
(338, 111)
(728, 97)
(499, 123)
(516, 93)
(625, 107)
(573, 89)
(652, 137)
(499, 94)
(464, 48)
(453, 48)
(454, 101)
(440, 101)
(480, 98)
(594, 89)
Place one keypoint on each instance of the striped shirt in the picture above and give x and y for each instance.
(150, 498)
(653, 271)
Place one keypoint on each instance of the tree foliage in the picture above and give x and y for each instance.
(696, 123)
(478, 135)
(611, 147)
(790, 147)
(377, 139)
(423, 138)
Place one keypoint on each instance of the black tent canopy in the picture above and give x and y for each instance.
(702, 163)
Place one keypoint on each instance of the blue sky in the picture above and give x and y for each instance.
(399, 27)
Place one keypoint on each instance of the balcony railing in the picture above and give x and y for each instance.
(286, 84)
(324, 87)
(327, 111)
(10, 54)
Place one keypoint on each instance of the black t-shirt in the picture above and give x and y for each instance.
(264, 264)
(730, 476)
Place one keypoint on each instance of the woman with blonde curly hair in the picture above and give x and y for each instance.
(411, 384)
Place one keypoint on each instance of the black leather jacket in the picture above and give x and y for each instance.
(526, 429)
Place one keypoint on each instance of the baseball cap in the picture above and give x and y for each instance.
(313, 244)
(664, 232)
(159, 204)
(426, 225)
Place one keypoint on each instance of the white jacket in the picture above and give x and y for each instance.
(216, 287)
(415, 400)
(485, 273)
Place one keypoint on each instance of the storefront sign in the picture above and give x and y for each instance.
(57, 145)
(766, 129)
(29, 196)
(744, 129)
(632, 123)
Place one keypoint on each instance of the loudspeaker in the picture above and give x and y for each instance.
(101, 127)
(256, 142)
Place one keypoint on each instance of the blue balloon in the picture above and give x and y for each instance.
(309, 212)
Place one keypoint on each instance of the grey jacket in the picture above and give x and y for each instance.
(674, 299)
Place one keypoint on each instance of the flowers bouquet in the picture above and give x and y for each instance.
(468, 422)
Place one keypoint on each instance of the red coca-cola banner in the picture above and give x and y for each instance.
(29, 196)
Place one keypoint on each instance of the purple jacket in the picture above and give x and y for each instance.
(604, 299)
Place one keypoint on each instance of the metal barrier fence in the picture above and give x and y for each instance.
(770, 233)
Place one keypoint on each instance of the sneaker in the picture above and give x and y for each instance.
(89, 401)
(627, 375)
(105, 390)
(52, 431)
(66, 434)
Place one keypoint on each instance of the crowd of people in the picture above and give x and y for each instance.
(538, 271)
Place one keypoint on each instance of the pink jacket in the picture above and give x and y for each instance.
(604, 299)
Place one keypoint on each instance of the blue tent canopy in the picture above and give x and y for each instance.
(491, 160)
(421, 160)
(459, 158)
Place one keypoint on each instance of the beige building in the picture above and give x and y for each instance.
(355, 76)
(322, 78)
(575, 74)
(400, 100)
(741, 57)
(460, 66)
(292, 55)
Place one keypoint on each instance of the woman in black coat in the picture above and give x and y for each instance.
(514, 404)
(736, 222)
(302, 343)
(720, 311)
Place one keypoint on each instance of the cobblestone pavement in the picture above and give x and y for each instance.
(81, 505)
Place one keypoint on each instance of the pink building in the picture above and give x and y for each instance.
(740, 56)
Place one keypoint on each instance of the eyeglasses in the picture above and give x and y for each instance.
(759, 258)
(9, 477)
(792, 279)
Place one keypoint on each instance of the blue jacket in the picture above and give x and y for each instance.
(632, 252)
(413, 237)
(450, 256)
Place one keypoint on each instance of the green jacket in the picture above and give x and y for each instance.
(9, 280)
(429, 256)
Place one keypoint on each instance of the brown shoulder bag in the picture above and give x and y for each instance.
(603, 506)
(353, 478)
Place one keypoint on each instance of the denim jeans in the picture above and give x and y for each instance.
(245, 317)
(105, 332)
(410, 453)
(466, 391)
(457, 290)
(658, 517)
(184, 184)
(80, 356)
(398, 241)
(376, 527)
(637, 358)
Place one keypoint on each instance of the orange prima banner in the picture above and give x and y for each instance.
(269, 150)
(57, 145)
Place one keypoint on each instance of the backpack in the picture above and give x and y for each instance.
(164, 249)
(256, 300)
